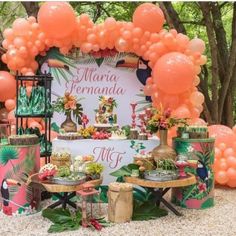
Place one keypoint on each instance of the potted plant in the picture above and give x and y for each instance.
(69, 104)
(161, 120)
(94, 170)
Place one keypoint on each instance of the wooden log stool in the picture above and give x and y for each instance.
(120, 202)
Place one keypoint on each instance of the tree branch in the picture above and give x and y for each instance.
(172, 17)
(205, 8)
(31, 8)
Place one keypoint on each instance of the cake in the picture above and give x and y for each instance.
(25, 139)
(118, 134)
(69, 136)
(105, 116)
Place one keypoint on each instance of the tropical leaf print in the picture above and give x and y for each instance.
(8, 153)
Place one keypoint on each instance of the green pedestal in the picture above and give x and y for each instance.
(200, 152)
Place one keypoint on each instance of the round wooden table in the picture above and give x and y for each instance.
(159, 189)
(63, 192)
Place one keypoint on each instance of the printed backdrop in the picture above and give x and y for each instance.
(121, 76)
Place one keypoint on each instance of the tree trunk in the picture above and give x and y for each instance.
(31, 8)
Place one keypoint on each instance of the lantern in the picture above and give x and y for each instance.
(86, 193)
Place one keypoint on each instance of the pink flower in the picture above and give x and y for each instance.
(167, 113)
(202, 187)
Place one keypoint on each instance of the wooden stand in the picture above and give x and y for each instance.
(120, 202)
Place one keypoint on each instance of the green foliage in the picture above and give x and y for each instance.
(125, 170)
(63, 171)
(208, 203)
(55, 127)
(62, 219)
(94, 168)
(8, 153)
(147, 211)
(166, 164)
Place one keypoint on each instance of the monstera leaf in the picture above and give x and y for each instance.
(7, 154)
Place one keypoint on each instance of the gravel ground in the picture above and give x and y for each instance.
(219, 220)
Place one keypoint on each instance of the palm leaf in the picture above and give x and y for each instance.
(54, 72)
(63, 74)
(8, 153)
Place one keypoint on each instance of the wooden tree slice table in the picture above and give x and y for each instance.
(159, 189)
(63, 192)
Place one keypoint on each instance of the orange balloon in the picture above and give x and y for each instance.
(196, 98)
(21, 26)
(222, 164)
(57, 19)
(7, 86)
(182, 112)
(35, 124)
(228, 152)
(196, 45)
(231, 161)
(221, 177)
(222, 134)
(174, 73)
(218, 152)
(197, 121)
(10, 104)
(231, 183)
(148, 17)
(231, 172)
(222, 146)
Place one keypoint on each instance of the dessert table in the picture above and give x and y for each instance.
(113, 154)
(63, 192)
(159, 189)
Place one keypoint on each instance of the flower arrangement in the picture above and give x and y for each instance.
(67, 104)
(87, 132)
(162, 120)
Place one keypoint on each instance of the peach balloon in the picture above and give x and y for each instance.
(196, 45)
(110, 23)
(228, 152)
(148, 17)
(8, 86)
(35, 124)
(181, 112)
(222, 146)
(196, 98)
(218, 152)
(10, 104)
(231, 161)
(231, 172)
(21, 26)
(222, 134)
(174, 73)
(221, 177)
(57, 19)
(231, 183)
(222, 164)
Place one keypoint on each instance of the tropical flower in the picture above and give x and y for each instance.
(202, 187)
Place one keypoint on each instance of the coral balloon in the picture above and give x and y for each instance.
(21, 26)
(57, 19)
(196, 45)
(221, 177)
(10, 104)
(231, 161)
(148, 17)
(228, 152)
(8, 86)
(196, 98)
(222, 134)
(35, 124)
(174, 73)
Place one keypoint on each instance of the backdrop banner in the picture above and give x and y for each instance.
(119, 75)
(113, 154)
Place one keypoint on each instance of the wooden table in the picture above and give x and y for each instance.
(63, 192)
(159, 189)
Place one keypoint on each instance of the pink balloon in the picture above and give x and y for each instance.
(197, 98)
(174, 73)
(222, 134)
(57, 19)
(196, 45)
(148, 17)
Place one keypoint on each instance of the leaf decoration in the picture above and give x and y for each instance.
(8, 153)
(57, 215)
(123, 171)
(99, 61)
(148, 211)
(55, 127)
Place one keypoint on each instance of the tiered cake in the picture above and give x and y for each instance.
(105, 117)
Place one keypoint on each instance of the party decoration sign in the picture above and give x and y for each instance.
(89, 76)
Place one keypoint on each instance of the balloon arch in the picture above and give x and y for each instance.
(175, 60)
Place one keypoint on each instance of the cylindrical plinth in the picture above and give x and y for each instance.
(120, 202)
(200, 154)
